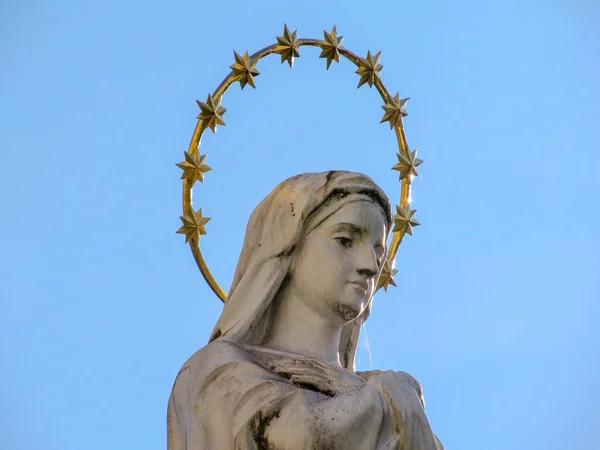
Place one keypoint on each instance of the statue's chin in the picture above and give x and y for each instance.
(354, 301)
(350, 312)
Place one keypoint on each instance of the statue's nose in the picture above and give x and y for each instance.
(367, 263)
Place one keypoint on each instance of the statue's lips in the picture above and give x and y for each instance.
(363, 284)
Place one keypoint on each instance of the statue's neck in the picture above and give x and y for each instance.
(298, 329)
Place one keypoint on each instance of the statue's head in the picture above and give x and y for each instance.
(335, 265)
(321, 234)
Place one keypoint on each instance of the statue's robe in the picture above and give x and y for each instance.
(228, 398)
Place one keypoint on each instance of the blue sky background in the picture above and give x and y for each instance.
(101, 302)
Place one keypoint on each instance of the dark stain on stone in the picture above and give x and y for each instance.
(329, 176)
(286, 251)
(216, 335)
(337, 194)
(258, 425)
(310, 387)
(286, 375)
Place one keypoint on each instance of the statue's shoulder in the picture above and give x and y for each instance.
(214, 355)
(202, 368)
(218, 351)
(412, 381)
(404, 377)
(414, 384)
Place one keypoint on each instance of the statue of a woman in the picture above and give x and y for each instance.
(278, 372)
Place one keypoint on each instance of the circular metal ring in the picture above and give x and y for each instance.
(243, 71)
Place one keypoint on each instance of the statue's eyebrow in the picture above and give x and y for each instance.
(351, 228)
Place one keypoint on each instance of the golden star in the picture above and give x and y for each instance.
(394, 109)
(369, 69)
(193, 169)
(287, 46)
(331, 46)
(244, 69)
(407, 165)
(387, 276)
(211, 112)
(404, 220)
(193, 226)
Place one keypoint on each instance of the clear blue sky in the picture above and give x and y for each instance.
(100, 301)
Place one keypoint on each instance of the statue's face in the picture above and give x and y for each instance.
(336, 266)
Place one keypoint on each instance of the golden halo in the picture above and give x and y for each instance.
(244, 70)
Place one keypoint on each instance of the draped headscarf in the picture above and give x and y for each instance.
(275, 229)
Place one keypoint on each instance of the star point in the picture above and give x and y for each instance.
(369, 69)
(211, 112)
(287, 46)
(388, 272)
(405, 220)
(408, 164)
(244, 69)
(331, 46)
(395, 109)
(193, 226)
(193, 168)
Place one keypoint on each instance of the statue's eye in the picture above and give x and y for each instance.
(344, 241)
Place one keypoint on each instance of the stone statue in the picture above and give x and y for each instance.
(278, 371)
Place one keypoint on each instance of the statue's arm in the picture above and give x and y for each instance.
(312, 420)
(222, 394)
(404, 394)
